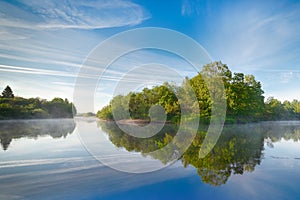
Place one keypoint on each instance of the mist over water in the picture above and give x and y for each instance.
(46, 159)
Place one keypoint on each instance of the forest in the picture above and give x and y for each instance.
(243, 94)
(13, 107)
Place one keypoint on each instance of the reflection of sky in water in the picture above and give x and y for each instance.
(276, 178)
(60, 168)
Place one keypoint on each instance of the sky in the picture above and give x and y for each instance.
(43, 44)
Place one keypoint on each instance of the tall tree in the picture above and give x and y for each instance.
(7, 93)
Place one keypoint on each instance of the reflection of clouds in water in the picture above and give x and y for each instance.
(69, 171)
(98, 145)
(74, 177)
(23, 163)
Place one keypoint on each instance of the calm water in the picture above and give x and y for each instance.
(45, 159)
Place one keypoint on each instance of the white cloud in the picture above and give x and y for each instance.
(285, 77)
(247, 35)
(27, 70)
(71, 14)
(258, 38)
(190, 7)
(5, 34)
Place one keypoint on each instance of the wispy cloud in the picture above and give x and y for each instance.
(246, 35)
(71, 14)
(285, 77)
(260, 38)
(190, 7)
(27, 70)
(110, 75)
(43, 44)
(7, 35)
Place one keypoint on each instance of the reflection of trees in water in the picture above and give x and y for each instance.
(276, 131)
(130, 143)
(238, 150)
(234, 153)
(56, 128)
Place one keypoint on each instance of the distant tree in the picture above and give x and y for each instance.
(7, 93)
(105, 113)
(22, 108)
(274, 109)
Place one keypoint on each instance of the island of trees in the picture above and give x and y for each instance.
(13, 107)
(244, 97)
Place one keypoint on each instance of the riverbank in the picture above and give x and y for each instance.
(136, 121)
(203, 121)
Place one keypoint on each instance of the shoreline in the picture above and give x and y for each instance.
(34, 119)
(142, 121)
(135, 121)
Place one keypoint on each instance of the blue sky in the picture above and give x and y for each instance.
(44, 43)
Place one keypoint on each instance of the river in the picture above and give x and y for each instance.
(52, 159)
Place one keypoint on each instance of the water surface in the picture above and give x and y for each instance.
(45, 159)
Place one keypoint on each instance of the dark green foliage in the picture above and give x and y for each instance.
(275, 110)
(139, 104)
(105, 113)
(35, 108)
(7, 93)
(245, 100)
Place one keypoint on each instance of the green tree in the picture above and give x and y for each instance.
(245, 101)
(105, 113)
(202, 94)
(212, 86)
(7, 93)
(22, 108)
(274, 109)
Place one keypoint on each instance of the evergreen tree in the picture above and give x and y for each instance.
(7, 93)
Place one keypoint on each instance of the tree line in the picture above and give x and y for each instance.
(13, 107)
(243, 94)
